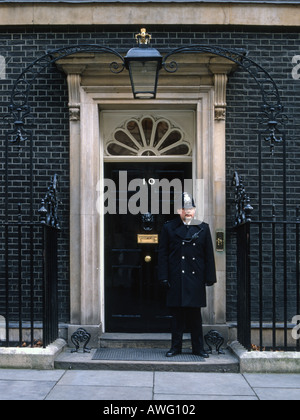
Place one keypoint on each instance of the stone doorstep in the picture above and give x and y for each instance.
(155, 340)
(265, 361)
(125, 340)
(134, 342)
(31, 358)
(227, 363)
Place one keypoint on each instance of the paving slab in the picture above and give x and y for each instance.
(262, 380)
(25, 384)
(275, 386)
(107, 378)
(204, 384)
(277, 394)
(103, 385)
(193, 397)
(108, 385)
(100, 393)
(31, 375)
(25, 390)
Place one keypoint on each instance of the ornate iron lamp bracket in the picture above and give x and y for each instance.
(271, 108)
(271, 113)
(19, 109)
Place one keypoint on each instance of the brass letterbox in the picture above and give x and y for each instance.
(147, 239)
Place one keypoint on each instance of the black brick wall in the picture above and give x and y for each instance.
(274, 51)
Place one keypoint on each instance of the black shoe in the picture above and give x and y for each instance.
(173, 352)
(201, 353)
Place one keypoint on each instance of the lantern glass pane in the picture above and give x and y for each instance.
(143, 78)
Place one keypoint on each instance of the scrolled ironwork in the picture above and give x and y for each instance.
(243, 208)
(272, 110)
(49, 206)
(81, 336)
(19, 109)
(19, 134)
(216, 339)
(171, 67)
(116, 68)
(273, 117)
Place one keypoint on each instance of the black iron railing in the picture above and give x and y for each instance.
(28, 281)
(268, 277)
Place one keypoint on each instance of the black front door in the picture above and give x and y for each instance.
(134, 300)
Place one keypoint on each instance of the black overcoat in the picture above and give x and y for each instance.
(186, 260)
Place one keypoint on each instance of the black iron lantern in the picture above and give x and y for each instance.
(143, 64)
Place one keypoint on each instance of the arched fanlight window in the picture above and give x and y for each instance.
(148, 136)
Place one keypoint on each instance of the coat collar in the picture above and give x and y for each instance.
(181, 231)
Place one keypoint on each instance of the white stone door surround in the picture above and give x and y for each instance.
(205, 95)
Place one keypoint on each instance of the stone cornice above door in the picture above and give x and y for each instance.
(95, 69)
(194, 71)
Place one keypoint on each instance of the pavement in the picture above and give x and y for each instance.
(108, 385)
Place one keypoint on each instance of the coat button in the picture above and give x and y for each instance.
(194, 244)
(183, 271)
(183, 243)
(194, 259)
(183, 258)
(193, 272)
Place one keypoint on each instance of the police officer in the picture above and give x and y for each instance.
(186, 266)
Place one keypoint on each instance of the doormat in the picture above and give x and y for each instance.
(150, 355)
